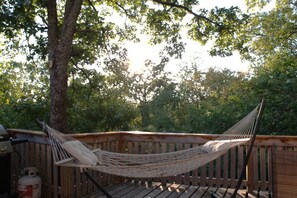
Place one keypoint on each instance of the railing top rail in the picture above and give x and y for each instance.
(261, 140)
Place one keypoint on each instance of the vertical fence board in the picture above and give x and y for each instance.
(232, 167)
(269, 150)
(263, 167)
(250, 172)
(203, 175)
(143, 150)
(171, 148)
(113, 148)
(256, 163)
(78, 189)
(240, 162)
(195, 173)
(129, 147)
(178, 178)
(164, 147)
(218, 172)
(42, 171)
(225, 169)
(66, 182)
(105, 177)
(55, 181)
(49, 173)
(210, 173)
(186, 179)
(26, 156)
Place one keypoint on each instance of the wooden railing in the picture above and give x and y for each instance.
(223, 172)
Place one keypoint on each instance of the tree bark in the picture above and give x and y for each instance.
(59, 49)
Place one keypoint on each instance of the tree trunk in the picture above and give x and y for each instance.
(59, 48)
(58, 93)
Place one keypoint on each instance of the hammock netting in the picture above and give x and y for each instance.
(70, 152)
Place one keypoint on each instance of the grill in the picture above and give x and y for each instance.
(5, 155)
(6, 143)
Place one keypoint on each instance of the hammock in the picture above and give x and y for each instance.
(72, 153)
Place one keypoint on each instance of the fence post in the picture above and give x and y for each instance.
(55, 181)
(250, 173)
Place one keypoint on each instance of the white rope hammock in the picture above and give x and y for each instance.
(72, 153)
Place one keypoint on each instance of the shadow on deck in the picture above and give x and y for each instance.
(158, 190)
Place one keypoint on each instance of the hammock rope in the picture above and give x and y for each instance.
(70, 152)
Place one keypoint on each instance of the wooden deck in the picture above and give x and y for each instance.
(159, 190)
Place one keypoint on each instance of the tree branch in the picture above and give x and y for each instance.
(72, 10)
(91, 4)
(187, 10)
(86, 75)
(43, 19)
(126, 12)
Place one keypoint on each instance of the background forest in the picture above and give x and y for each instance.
(194, 101)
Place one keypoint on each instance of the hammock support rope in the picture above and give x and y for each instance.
(251, 144)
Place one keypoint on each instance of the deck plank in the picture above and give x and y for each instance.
(124, 191)
(178, 191)
(139, 188)
(118, 189)
(159, 190)
(149, 189)
(189, 192)
(200, 192)
(220, 192)
(241, 193)
(112, 190)
(168, 191)
(209, 192)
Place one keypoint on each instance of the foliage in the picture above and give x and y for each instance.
(277, 81)
(108, 97)
(97, 102)
(23, 94)
(212, 100)
(83, 31)
(272, 48)
(201, 102)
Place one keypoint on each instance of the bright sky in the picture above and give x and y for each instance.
(139, 52)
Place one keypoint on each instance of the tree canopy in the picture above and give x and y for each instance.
(82, 31)
(76, 72)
